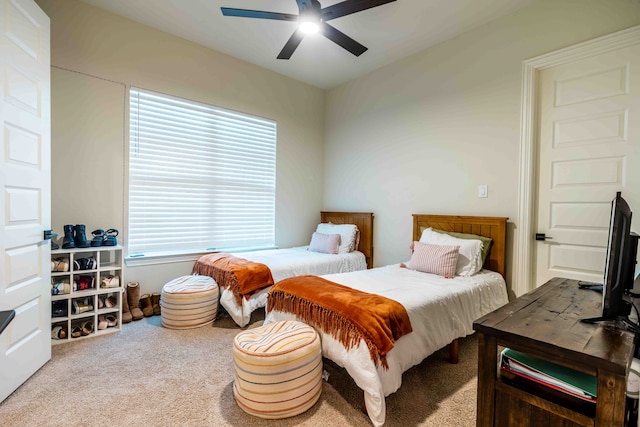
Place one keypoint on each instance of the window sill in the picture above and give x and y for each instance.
(136, 261)
(161, 259)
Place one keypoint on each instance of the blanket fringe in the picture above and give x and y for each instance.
(224, 278)
(330, 322)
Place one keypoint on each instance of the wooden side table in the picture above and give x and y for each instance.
(545, 323)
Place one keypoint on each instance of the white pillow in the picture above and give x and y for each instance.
(469, 256)
(347, 234)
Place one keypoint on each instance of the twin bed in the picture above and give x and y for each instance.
(298, 261)
(441, 310)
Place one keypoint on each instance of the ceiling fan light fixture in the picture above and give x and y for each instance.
(309, 27)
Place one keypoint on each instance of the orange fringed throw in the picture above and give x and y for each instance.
(347, 314)
(241, 276)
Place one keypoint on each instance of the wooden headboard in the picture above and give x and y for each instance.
(364, 222)
(493, 227)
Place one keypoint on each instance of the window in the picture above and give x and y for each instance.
(201, 178)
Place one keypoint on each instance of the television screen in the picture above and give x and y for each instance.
(620, 261)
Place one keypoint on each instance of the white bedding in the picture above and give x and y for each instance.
(440, 311)
(285, 263)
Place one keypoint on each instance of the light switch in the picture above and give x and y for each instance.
(483, 191)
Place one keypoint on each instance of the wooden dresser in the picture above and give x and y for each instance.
(546, 323)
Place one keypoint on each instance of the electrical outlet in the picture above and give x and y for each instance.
(483, 191)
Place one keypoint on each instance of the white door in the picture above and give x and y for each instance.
(589, 138)
(25, 182)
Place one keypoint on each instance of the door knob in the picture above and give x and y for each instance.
(542, 236)
(49, 235)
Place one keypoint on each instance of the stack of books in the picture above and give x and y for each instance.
(566, 380)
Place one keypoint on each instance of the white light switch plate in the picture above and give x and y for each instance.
(483, 191)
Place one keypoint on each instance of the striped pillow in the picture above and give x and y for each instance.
(436, 259)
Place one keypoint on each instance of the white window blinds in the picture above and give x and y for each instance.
(201, 178)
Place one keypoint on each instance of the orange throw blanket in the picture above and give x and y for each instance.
(347, 314)
(241, 276)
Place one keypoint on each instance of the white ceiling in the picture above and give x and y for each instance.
(391, 31)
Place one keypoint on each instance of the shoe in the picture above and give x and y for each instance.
(59, 332)
(83, 283)
(60, 264)
(88, 263)
(59, 308)
(133, 299)
(110, 301)
(110, 282)
(60, 286)
(111, 319)
(155, 302)
(110, 237)
(81, 307)
(126, 314)
(79, 236)
(87, 327)
(67, 240)
(98, 238)
(76, 331)
(102, 322)
(146, 306)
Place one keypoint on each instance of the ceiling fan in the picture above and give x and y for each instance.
(313, 18)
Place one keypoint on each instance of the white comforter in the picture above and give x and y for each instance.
(285, 263)
(440, 311)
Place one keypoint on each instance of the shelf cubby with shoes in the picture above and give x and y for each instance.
(86, 292)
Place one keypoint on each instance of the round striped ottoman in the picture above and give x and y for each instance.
(278, 369)
(189, 302)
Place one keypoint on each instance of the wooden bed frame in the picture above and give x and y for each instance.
(493, 227)
(364, 222)
(487, 226)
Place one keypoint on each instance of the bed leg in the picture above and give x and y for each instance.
(364, 405)
(453, 351)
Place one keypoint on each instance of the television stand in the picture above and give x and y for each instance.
(545, 323)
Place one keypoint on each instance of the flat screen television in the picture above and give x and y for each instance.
(619, 271)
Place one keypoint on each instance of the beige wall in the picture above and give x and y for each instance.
(95, 55)
(420, 135)
(417, 136)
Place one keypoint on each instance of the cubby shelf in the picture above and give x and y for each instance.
(81, 310)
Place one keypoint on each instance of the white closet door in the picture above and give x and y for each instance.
(25, 181)
(588, 149)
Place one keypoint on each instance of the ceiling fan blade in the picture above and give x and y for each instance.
(306, 5)
(246, 13)
(291, 45)
(348, 7)
(341, 39)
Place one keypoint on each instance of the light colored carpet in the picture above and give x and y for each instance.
(147, 375)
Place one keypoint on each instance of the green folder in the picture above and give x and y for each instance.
(550, 373)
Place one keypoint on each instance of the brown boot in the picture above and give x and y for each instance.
(146, 306)
(155, 301)
(133, 298)
(126, 314)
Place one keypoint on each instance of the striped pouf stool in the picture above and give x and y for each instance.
(278, 369)
(189, 302)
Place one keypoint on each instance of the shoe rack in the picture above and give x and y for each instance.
(86, 298)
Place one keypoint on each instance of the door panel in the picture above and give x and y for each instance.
(25, 202)
(589, 125)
